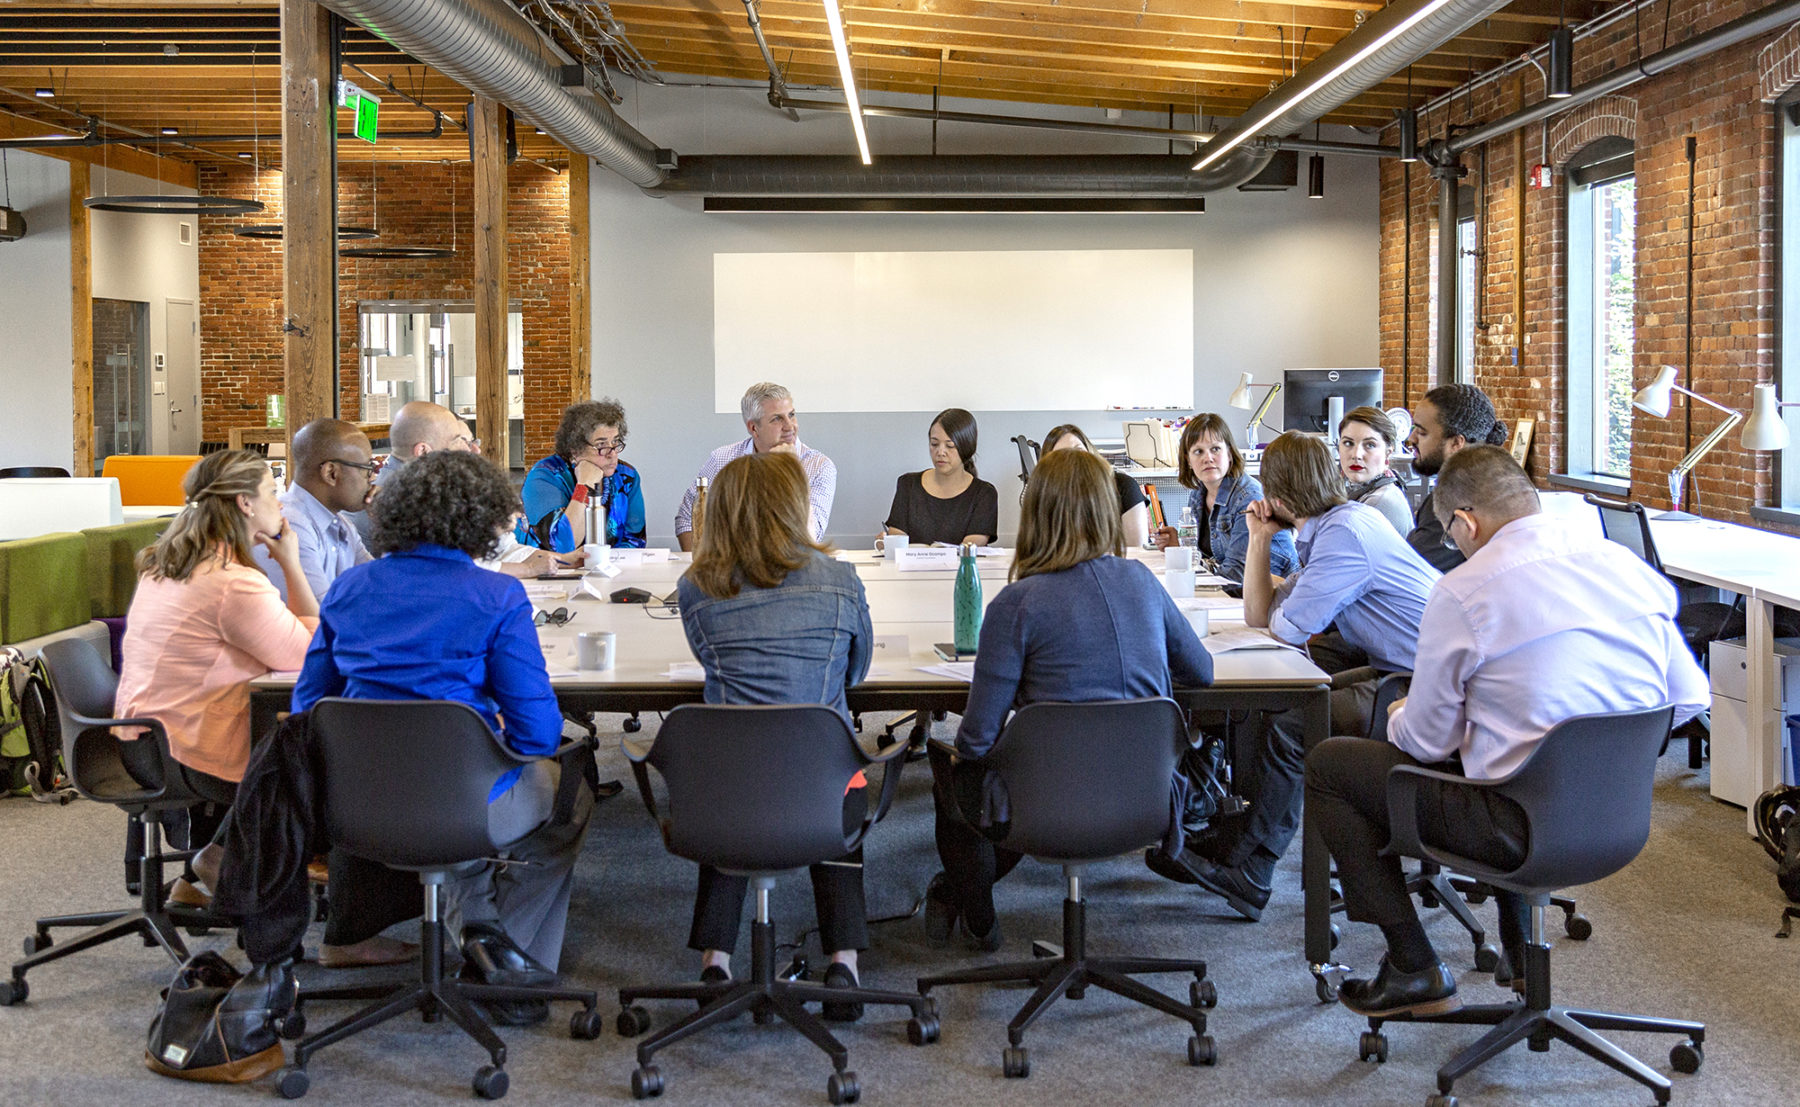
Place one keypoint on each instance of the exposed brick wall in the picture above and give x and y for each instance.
(411, 204)
(1717, 101)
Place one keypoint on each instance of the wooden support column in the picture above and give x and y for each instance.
(487, 138)
(309, 213)
(581, 365)
(81, 316)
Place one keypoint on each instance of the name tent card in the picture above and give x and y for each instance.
(914, 559)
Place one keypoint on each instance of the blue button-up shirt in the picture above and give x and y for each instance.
(430, 624)
(1357, 572)
(328, 541)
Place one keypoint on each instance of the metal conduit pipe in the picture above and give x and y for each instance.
(488, 47)
(777, 87)
(1743, 28)
(1135, 175)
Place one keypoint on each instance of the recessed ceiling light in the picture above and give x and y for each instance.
(45, 93)
(246, 157)
(171, 130)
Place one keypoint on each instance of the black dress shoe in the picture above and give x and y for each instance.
(607, 789)
(838, 975)
(940, 909)
(1246, 896)
(492, 958)
(1169, 868)
(1430, 991)
(515, 1012)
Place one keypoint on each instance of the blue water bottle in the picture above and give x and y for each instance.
(967, 602)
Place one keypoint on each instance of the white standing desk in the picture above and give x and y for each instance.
(1764, 568)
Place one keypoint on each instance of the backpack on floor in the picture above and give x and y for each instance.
(1777, 814)
(30, 734)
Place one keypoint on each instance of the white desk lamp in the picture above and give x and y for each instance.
(1654, 398)
(1241, 398)
(1765, 430)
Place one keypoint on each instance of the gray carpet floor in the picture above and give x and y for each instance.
(1685, 931)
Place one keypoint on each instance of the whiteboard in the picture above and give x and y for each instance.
(987, 330)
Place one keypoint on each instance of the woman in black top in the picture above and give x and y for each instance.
(946, 503)
(1134, 506)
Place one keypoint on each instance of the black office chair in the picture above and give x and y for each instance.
(757, 791)
(1585, 791)
(1028, 456)
(1087, 782)
(85, 688)
(406, 785)
(32, 471)
(1455, 894)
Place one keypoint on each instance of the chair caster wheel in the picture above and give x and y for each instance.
(1445, 1100)
(1201, 1050)
(292, 1082)
(1015, 1062)
(1686, 1057)
(14, 991)
(1578, 927)
(1475, 896)
(632, 1021)
(1326, 989)
(922, 1031)
(931, 1007)
(490, 1082)
(37, 943)
(1487, 957)
(843, 1088)
(1372, 1046)
(632, 726)
(585, 1025)
(293, 1028)
(1203, 993)
(646, 1082)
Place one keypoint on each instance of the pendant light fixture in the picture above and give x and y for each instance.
(1315, 172)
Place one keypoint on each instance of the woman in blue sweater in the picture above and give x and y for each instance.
(1079, 623)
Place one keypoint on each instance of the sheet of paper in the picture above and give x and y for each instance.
(541, 592)
(1217, 604)
(686, 670)
(284, 674)
(952, 670)
(1228, 637)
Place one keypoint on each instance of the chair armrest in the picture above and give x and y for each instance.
(1354, 676)
(1403, 783)
(948, 749)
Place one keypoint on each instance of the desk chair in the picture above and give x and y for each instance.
(85, 688)
(12, 471)
(1087, 782)
(406, 785)
(1585, 790)
(1700, 623)
(1455, 894)
(1028, 456)
(756, 791)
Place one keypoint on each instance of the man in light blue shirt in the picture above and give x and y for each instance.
(334, 472)
(1356, 572)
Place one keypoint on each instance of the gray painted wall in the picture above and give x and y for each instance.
(37, 407)
(1280, 281)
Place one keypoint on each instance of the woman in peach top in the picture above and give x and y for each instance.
(203, 622)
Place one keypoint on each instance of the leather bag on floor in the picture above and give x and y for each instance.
(219, 1026)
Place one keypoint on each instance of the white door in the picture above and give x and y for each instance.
(178, 401)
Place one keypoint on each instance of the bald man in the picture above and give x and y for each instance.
(334, 475)
(418, 428)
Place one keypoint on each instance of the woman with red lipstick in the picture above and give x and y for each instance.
(1366, 438)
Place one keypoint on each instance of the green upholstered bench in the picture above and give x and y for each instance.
(111, 569)
(43, 586)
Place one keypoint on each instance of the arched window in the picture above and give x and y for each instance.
(1602, 277)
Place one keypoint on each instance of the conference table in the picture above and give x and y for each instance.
(654, 670)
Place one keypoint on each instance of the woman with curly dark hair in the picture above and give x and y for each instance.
(424, 621)
(586, 465)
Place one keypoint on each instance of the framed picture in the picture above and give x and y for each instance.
(1521, 443)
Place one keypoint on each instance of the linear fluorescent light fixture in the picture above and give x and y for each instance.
(840, 45)
(952, 205)
(1216, 149)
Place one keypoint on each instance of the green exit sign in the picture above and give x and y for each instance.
(367, 108)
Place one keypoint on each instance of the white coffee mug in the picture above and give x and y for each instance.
(594, 650)
(893, 544)
(1179, 583)
(1197, 618)
(1178, 559)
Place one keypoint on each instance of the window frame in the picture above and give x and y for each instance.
(1602, 162)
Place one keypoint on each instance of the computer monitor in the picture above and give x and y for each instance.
(1307, 396)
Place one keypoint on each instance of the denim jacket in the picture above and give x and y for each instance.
(804, 641)
(1229, 531)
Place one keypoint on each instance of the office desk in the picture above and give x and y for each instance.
(1764, 568)
(916, 605)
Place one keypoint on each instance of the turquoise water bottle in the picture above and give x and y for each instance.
(968, 602)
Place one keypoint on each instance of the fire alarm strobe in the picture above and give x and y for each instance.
(1540, 176)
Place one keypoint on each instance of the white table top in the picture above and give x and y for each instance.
(1729, 556)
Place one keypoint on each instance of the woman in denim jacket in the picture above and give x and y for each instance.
(774, 619)
(1211, 465)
